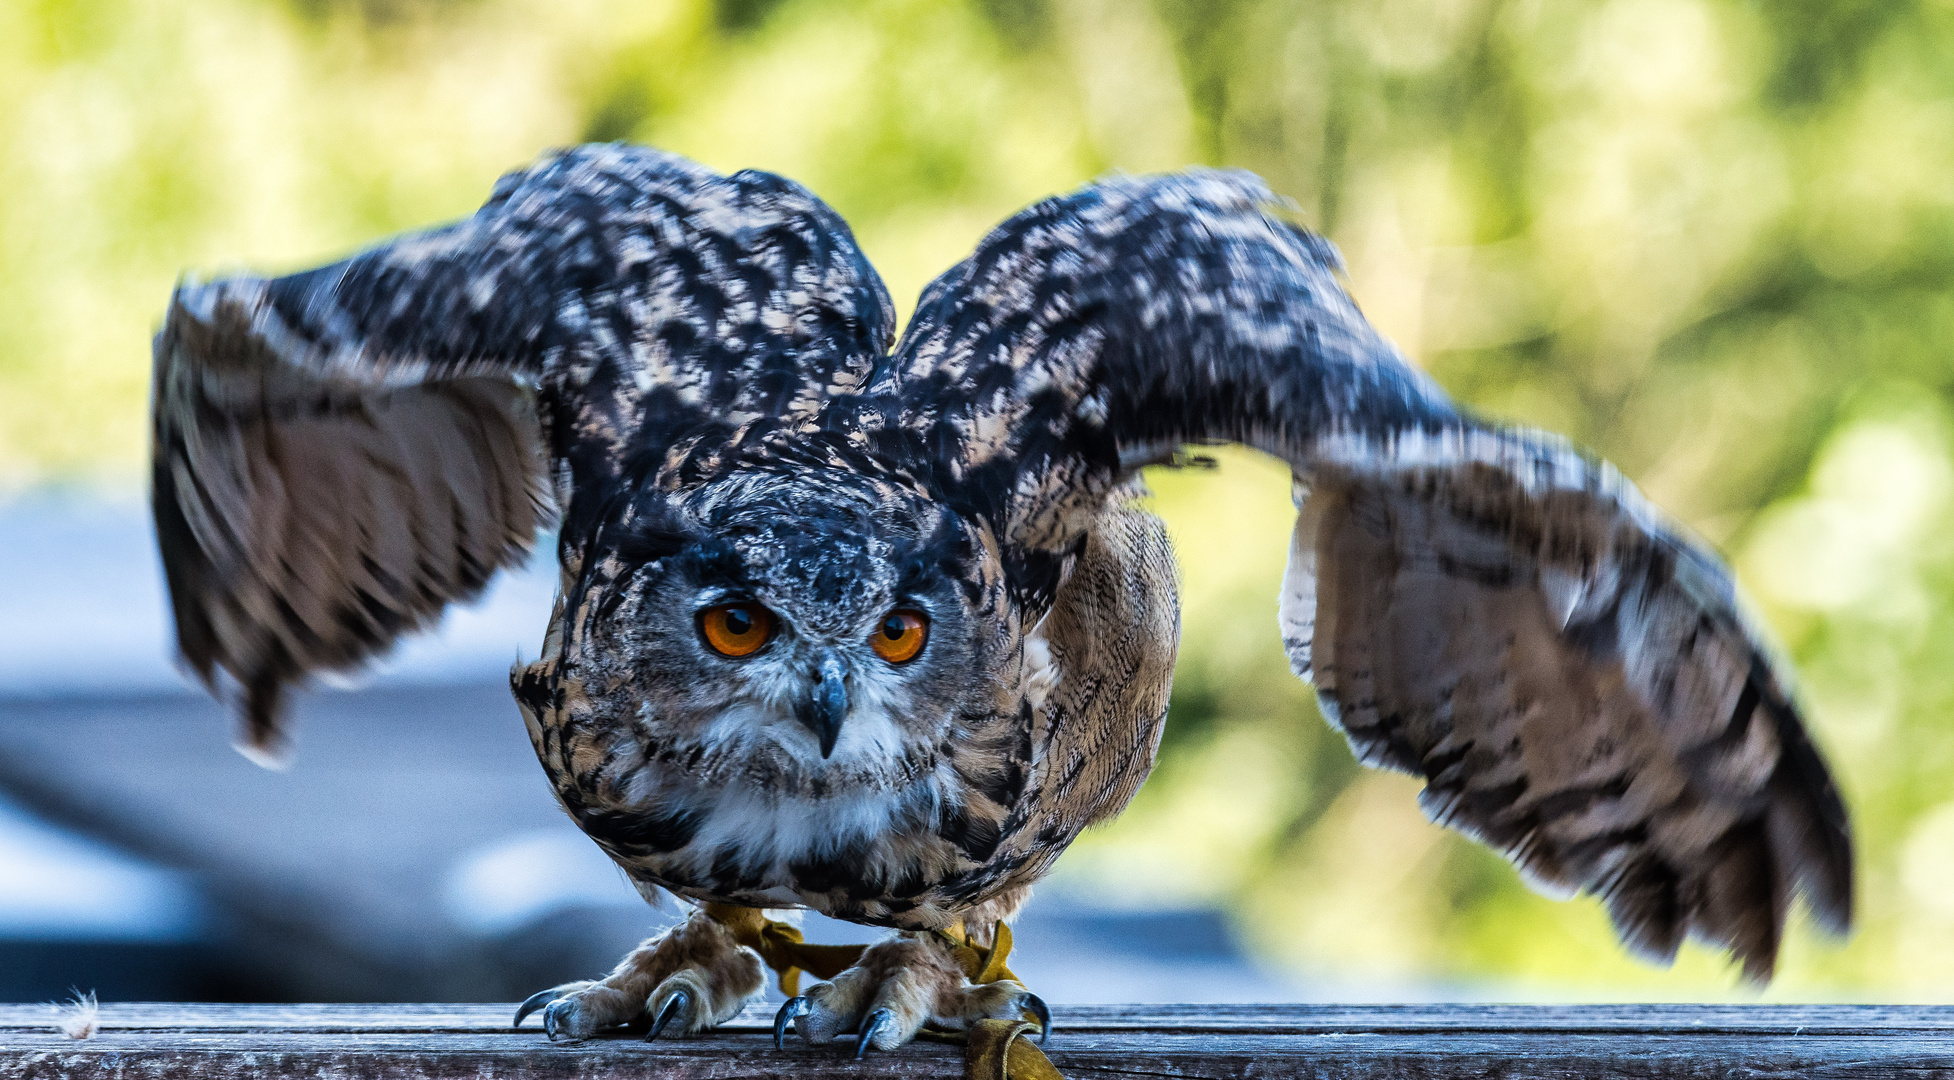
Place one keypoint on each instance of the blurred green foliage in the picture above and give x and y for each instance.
(1713, 239)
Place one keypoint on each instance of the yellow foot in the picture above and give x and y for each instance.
(695, 976)
(901, 984)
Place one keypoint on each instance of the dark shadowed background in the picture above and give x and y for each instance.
(1712, 239)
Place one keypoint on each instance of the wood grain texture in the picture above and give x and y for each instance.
(1437, 1041)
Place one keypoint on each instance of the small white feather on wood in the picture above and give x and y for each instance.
(79, 1018)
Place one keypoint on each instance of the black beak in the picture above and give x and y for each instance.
(829, 705)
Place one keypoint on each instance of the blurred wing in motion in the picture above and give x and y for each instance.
(1483, 607)
(341, 453)
(1511, 621)
(323, 483)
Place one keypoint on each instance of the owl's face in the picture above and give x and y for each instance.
(790, 686)
(804, 635)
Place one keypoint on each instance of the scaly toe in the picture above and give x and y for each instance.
(567, 1017)
(833, 1007)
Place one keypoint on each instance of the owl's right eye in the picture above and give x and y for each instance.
(736, 629)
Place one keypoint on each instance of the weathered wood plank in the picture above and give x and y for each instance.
(1345, 1042)
(1269, 1019)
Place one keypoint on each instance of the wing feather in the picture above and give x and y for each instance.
(1571, 676)
(341, 453)
(1572, 679)
(1481, 606)
(306, 523)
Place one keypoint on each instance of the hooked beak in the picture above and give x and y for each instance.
(829, 704)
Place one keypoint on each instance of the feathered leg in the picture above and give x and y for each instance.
(692, 977)
(942, 978)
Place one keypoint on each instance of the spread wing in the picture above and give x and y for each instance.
(1483, 607)
(340, 454)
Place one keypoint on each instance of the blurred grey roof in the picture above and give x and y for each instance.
(56, 885)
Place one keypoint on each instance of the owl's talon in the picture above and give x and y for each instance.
(872, 1027)
(536, 1001)
(793, 1009)
(897, 987)
(674, 1005)
(690, 978)
(1043, 1012)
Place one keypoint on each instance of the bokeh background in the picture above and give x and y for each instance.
(1712, 239)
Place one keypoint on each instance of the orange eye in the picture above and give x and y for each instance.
(736, 629)
(900, 637)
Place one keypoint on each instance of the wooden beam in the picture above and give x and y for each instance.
(234, 1042)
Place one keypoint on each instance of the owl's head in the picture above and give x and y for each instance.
(800, 632)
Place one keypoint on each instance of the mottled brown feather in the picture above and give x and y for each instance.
(307, 521)
(1571, 677)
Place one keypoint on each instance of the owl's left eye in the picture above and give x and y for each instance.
(736, 629)
(900, 637)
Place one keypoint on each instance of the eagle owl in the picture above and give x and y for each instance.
(873, 626)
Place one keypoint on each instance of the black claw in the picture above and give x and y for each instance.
(549, 1023)
(794, 1008)
(1044, 1014)
(876, 1021)
(535, 1001)
(673, 1006)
